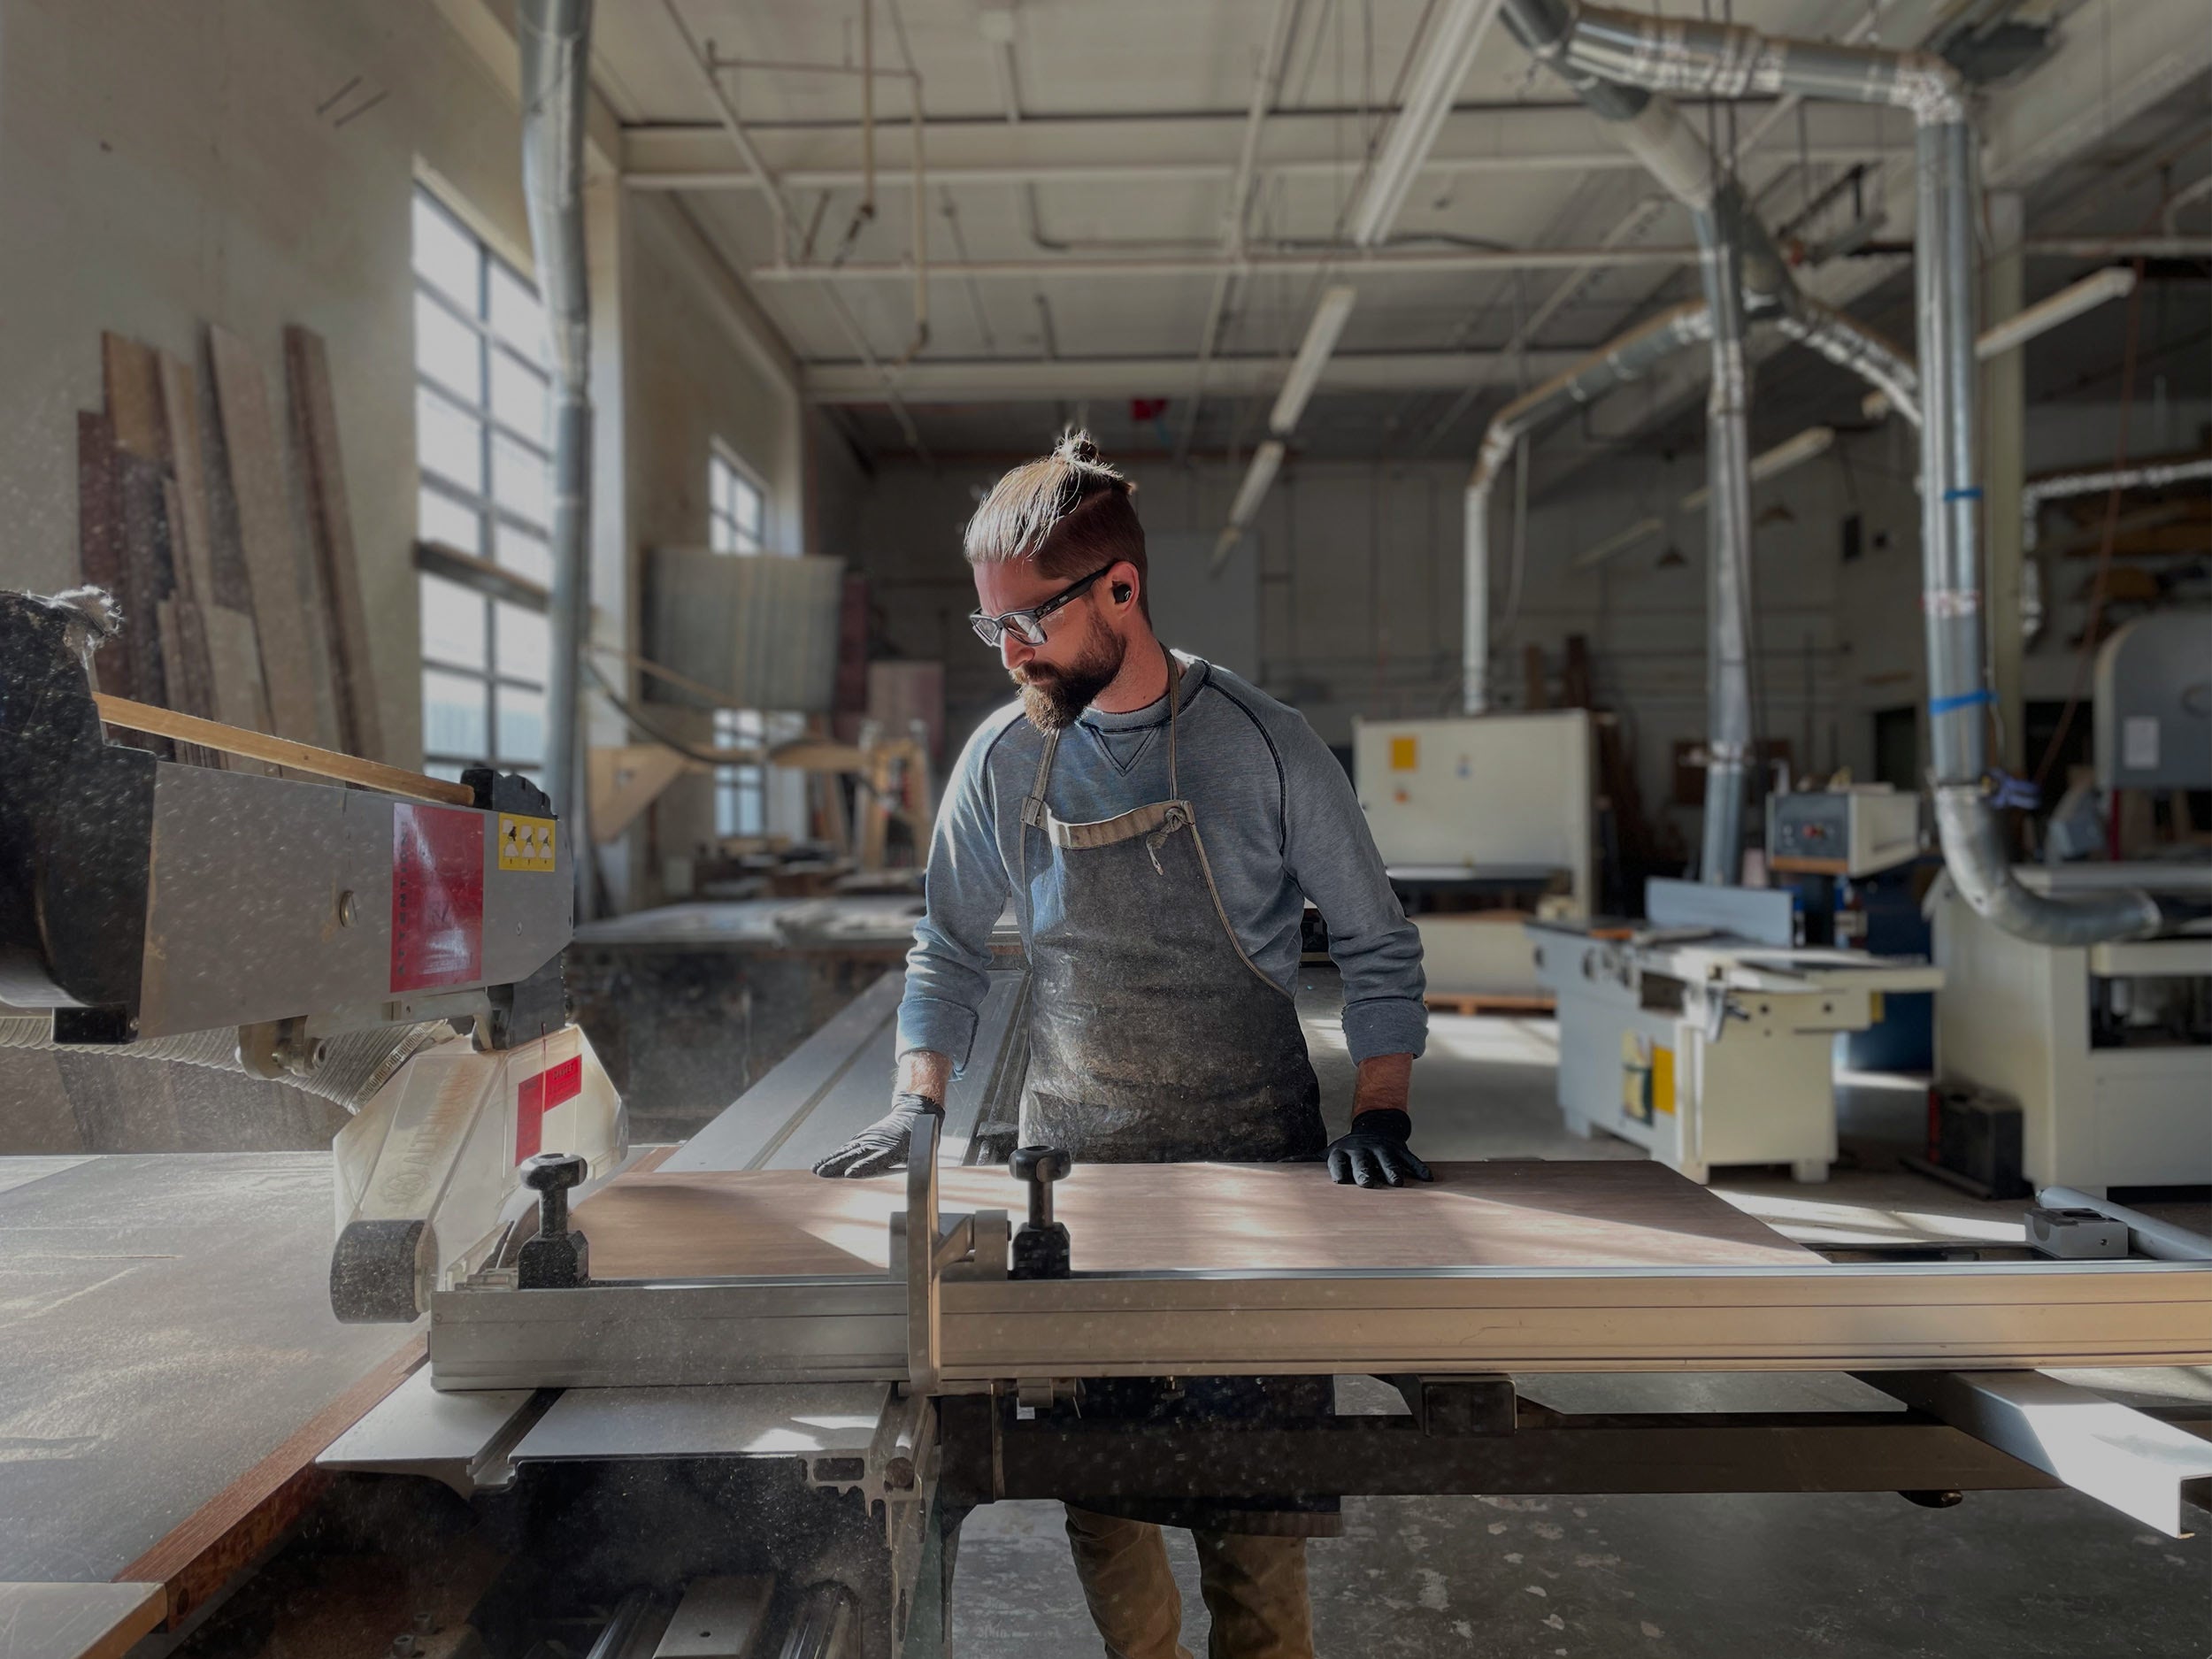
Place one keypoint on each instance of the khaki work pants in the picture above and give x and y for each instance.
(1254, 1589)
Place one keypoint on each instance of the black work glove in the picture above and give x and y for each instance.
(1373, 1152)
(881, 1147)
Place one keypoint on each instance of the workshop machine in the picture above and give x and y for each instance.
(2101, 1054)
(1482, 822)
(400, 956)
(717, 1407)
(1706, 1033)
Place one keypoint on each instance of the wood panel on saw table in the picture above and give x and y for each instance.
(1135, 1216)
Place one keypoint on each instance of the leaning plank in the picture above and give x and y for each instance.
(280, 610)
(231, 1530)
(190, 535)
(133, 382)
(100, 528)
(145, 577)
(321, 762)
(235, 676)
(330, 525)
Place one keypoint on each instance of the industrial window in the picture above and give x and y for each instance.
(740, 793)
(482, 403)
(737, 509)
(737, 518)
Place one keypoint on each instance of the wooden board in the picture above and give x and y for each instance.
(1137, 1217)
(283, 619)
(191, 538)
(100, 533)
(330, 530)
(235, 676)
(132, 378)
(139, 483)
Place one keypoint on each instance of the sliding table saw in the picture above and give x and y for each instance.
(709, 1392)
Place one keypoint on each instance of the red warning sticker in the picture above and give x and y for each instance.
(537, 1095)
(437, 896)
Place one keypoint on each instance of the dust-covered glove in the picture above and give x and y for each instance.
(881, 1147)
(1373, 1152)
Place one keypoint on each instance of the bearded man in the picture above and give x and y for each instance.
(1159, 824)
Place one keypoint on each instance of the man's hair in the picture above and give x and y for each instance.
(1068, 514)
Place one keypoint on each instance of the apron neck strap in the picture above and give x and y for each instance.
(1174, 708)
(1033, 812)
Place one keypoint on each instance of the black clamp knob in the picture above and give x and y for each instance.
(1041, 1245)
(557, 1258)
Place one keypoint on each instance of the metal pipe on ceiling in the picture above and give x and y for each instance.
(1730, 60)
(1612, 364)
(2155, 475)
(1652, 130)
(554, 38)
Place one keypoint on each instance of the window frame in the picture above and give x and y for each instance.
(495, 581)
(725, 462)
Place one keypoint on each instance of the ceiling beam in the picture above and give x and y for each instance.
(1049, 380)
(1343, 261)
(1472, 142)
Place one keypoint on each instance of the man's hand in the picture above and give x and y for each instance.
(883, 1145)
(1373, 1153)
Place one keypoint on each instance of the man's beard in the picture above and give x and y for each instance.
(1055, 697)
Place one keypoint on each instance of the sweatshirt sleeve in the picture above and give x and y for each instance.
(947, 969)
(1332, 855)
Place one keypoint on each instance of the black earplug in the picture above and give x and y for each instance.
(1121, 592)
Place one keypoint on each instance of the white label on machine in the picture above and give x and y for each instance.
(2138, 743)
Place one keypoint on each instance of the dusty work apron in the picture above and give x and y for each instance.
(1153, 1038)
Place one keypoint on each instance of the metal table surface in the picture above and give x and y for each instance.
(166, 1320)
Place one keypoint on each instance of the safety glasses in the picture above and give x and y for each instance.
(1029, 626)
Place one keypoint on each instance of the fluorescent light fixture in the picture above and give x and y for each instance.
(1322, 333)
(1788, 453)
(1615, 545)
(2113, 282)
(1445, 61)
(1265, 460)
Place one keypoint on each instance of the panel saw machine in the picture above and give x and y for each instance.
(761, 1404)
(400, 957)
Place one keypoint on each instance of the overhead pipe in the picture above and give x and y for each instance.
(1628, 358)
(2155, 475)
(1729, 244)
(1730, 61)
(555, 40)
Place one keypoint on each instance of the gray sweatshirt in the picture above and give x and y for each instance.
(1281, 825)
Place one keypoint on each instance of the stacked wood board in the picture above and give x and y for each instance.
(185, 515)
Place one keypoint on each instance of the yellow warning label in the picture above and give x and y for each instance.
(1405, 754)
(524, 843)
(1662, 1080)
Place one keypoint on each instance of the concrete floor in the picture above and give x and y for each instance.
(2004, 1576)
